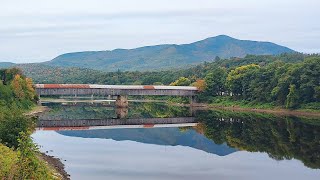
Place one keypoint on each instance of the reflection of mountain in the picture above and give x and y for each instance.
(159, 136)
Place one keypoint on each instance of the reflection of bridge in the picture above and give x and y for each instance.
(84, 124)
(120, 91)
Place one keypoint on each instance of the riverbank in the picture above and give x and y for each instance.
(53, 163)
(258, 109)
(56, 165)
(276, 111)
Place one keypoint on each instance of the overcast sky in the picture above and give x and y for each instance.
(39, 30)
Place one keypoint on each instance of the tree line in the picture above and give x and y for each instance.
(284, 84)
(47, 74)
(287, 80)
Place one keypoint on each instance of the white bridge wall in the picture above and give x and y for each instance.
(114, 92)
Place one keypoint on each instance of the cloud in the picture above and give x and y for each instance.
(38, 30)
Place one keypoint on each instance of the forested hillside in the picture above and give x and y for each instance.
(6, 64)
(19, 156)
(167, 56)
(47, 74)
(287, 80)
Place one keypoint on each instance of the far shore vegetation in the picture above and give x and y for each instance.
(288, 81)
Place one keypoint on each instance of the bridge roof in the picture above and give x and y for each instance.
(96, 86)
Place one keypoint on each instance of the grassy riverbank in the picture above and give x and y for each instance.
(241, 105)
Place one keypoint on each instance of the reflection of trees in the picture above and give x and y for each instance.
(160, 110)
(78, 111)
(281, 138)
(101, 111)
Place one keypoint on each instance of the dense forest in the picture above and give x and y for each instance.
(48, 74)
(193, 73)
(285, 84)
(19, 156)
(286, 80)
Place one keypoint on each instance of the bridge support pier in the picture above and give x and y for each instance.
(122, 113)
(192, 100)
(122, 101)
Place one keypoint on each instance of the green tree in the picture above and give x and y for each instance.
(182, 81)
(317, 93)
(239, 79)
(292, 97)
(215, 81)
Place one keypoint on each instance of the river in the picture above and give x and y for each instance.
(173, 142)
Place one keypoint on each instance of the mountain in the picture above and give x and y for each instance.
(167, 56)
(41, 73)
(158, 136)
(6, 64)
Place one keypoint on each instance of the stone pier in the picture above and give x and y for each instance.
(122, 113)
(122, 101)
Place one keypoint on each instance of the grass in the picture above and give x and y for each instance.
(8, 162)
(310, 107)
(227, 101)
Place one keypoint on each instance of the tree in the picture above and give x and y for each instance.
(30, 91)
(238, 80)
(317, 93)
(215, 81)
(200, 84)
(182, 81)
(9, 75)
(17, 86)
(308, 79)
(292, 97)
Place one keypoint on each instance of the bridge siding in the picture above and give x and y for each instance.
(115, 92)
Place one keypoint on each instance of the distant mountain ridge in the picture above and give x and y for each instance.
(168, 55)
(6, 64)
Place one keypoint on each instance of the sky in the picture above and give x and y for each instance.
(39, 30)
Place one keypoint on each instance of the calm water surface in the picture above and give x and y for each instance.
(221, 145)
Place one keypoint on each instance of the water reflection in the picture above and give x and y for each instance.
(280, 137)
(63, 111)
(230, 135)
(158, 136)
